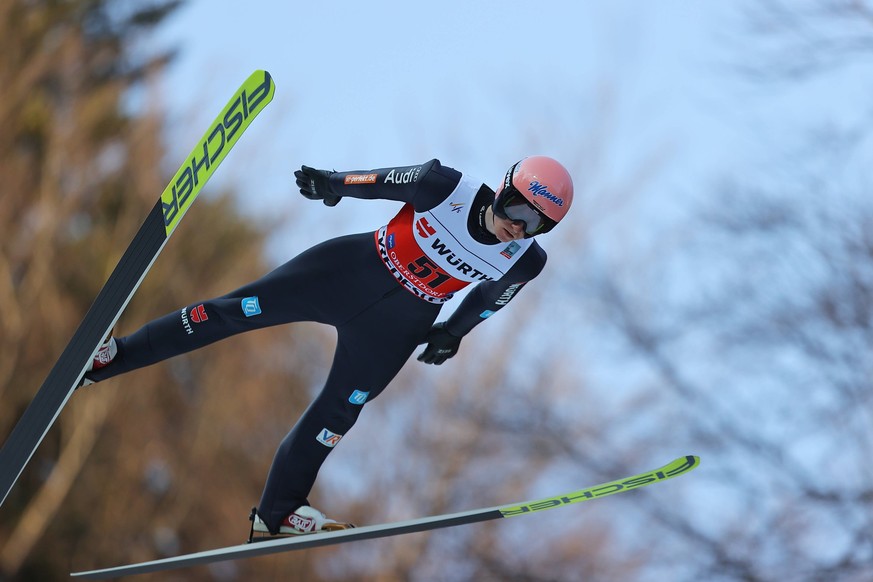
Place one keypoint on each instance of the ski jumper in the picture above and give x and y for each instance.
(381, 290)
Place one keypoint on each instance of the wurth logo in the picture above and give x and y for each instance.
(198, 314)
(424, 228)
(509, 293)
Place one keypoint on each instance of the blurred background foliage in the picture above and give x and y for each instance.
(80, 172)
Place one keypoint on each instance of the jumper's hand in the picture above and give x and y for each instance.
(441, 345)
(315, 185)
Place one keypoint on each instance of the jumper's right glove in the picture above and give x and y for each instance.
(441, 345)
(315, 185)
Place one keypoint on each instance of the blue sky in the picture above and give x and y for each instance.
(603, 87)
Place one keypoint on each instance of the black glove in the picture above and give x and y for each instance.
(441, 345)
(314, 185)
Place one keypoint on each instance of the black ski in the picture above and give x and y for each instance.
(225, 131)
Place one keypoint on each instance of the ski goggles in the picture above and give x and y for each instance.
(512, 205)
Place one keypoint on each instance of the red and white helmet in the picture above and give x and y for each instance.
(537, 191)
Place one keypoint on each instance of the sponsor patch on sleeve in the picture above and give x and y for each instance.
(360, 179)
(359, 397)
(251, 306)
(328, 438)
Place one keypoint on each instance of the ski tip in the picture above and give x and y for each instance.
(264, 78)
(675, 468)
(693, 459)
(678, 466)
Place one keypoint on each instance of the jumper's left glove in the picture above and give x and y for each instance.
(441, 345)
(315, 185)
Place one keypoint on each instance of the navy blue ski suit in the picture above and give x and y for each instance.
(382, 291)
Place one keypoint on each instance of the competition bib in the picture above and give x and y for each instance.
(432, 253)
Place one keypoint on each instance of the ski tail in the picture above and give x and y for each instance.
(676, 468)
(249, 100)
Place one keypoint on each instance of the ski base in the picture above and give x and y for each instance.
(273, 545)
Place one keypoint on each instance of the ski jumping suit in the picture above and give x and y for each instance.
(382, 292)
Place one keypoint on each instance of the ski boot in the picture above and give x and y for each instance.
(303, 520)
(107, 352)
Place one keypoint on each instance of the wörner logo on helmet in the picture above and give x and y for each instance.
(538, 189)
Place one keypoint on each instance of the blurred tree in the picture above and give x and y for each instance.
(798, 39)
(171, 458)
(763, 353)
